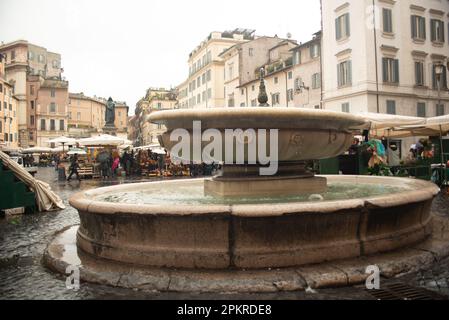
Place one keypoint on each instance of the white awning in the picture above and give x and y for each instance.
(102, 140)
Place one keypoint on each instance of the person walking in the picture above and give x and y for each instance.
(115, 165)
(74, 166)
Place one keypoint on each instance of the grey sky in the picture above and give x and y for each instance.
(120, 48)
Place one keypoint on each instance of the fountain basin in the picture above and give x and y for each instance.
(247, 235)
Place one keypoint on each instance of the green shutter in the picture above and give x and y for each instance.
(337, 29)
(432, 30)
(348, 25)
(339, 74)
(413, 24)
(349, 72)
(396, 71)
(385, 69)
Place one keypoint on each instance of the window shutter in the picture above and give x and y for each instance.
(434, 78)
(349, 72)
(339, 74)
(444, 79)
(337, 28)
(385, 69)
(348, 25)
(422, 23)
(413, 24)
(432, 30)
(442, 31)
(396, 71)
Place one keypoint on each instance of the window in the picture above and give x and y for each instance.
(314, 51)
(32, 90)
(53, 93)
(208, 75)
(439, 110)
(276, 80)
(421, 110)
(30, 55)
(290, 75)
(390, 69)
(61, 125)
(242, 105)
(253, 87)
(316, 81)
(40, 58)
(43, 126)
(342, 27)
(437, 30)
(418, 27)
(5, 137)
(251, 52)
(13, 55)
(198, 82)
(253, 102)
(242, 91)
(10, 107)
(70, 116)
(297, 57)
(443, 79)
(52, 107)
(55, 64)
(231, 101)
(1, 126)
(32, 104)
(204, 95)
(198, 98)
(298, 83)
(345, 107)
(209, 93)
(344, 73)
(1, 88)
(419, 73)
(203, 78)
(275, 98)
(231, 71)
(391, 107)
(52, 125)
(290, 95)
(387, 20)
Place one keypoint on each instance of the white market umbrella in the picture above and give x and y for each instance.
(102, 140)
(76, 151)
(38, 150)
(63, 140)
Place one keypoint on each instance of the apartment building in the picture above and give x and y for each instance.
(205, 82)
(156, 99)
(42, 95)
(307, 74)
(242, 67)
(8, 111)
(87, 115)
(242, 72)
(382, 58)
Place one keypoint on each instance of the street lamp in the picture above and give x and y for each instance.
(439, 69)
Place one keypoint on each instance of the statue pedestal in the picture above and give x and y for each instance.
(111, 130)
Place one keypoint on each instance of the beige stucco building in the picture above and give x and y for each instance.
(307, 73)
(204, 85)
(9, 131)
(87, 116)
(242, 72)
(156, 99)
(42, 94)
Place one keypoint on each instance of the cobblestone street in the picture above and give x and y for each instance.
(23, 239)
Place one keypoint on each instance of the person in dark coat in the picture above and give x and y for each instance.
(74, 166)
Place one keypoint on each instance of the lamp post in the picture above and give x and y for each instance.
(439, 69)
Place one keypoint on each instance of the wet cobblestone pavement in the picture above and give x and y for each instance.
(23, 239)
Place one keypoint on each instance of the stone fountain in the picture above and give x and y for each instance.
(229, 232)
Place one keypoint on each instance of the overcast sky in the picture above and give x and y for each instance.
(120, 48)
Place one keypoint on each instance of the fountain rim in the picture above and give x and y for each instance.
(274, 116)
(419, 191)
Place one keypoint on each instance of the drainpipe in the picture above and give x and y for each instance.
(375, 57)
(321, 60)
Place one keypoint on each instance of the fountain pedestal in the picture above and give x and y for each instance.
(292, 178)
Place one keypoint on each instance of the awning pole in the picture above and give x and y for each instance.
(442, 155)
